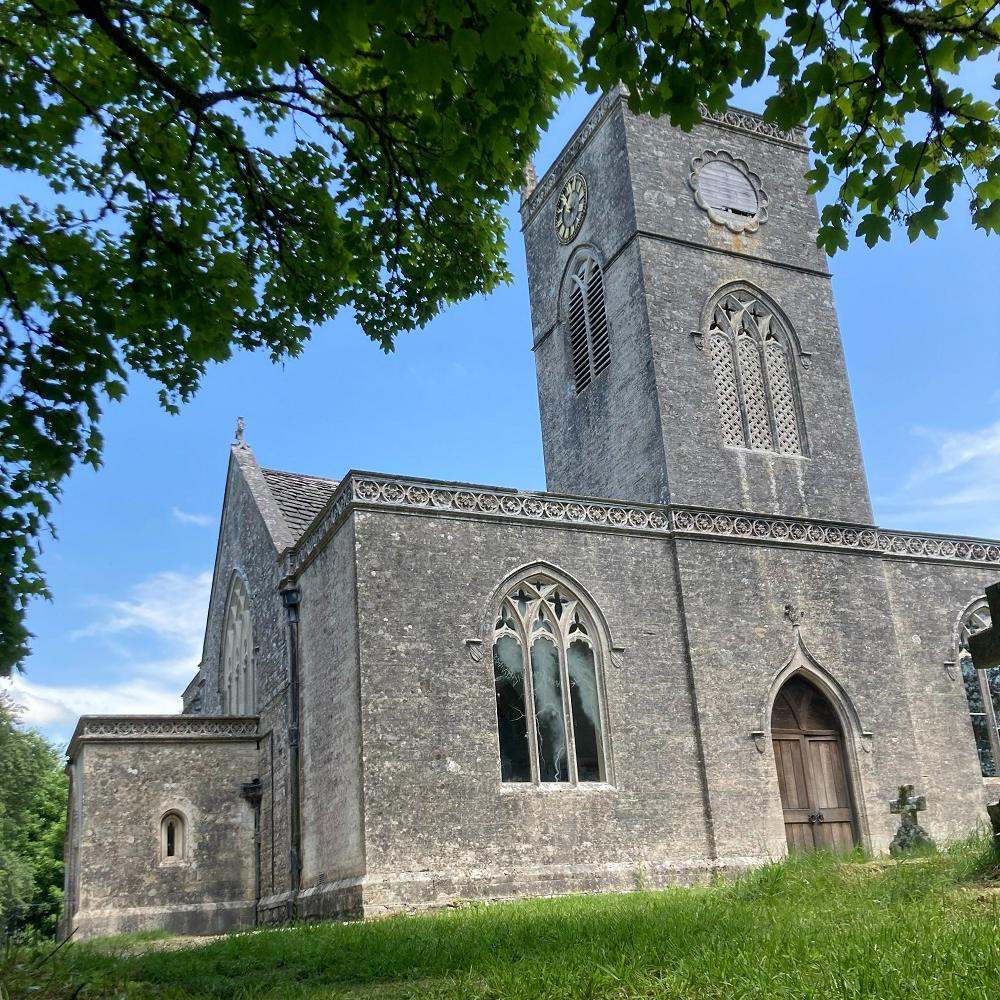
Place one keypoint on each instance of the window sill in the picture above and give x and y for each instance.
(556, 787)
(769, 454)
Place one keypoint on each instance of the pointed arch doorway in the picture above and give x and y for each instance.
(812, 774)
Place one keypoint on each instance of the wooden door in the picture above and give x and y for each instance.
(809, 756)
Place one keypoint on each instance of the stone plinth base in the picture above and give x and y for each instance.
(193, 918)
(379, 895)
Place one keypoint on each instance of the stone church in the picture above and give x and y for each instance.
(694, 653)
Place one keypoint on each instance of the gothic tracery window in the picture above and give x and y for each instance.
(547, 676)
(982, 691)
(754, 373)
(238, 680)
(589, 340)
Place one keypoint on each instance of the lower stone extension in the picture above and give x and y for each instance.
(184, 918)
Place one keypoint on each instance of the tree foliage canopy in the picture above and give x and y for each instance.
(212, 175)
(33, 791)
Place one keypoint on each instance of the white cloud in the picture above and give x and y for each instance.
(977, 450)
(955, 488)
(151, 638)
(202, 520)
(168, 605)
(54, 706)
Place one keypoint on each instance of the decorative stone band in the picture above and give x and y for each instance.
(692, 521)
(734, 118)
(163, 727)
(371, 491)
(746, 121)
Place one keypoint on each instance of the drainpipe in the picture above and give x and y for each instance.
(290, 598)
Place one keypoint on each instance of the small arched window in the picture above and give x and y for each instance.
(172, 838)
(754, 374)
(589, 339)
(238, 680)
(982, 691)
(548, 684)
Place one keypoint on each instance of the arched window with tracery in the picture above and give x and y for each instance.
(754, 372)
(172, 838)
(982, 691)
(548, 681)
(238, 680)
(589, 338)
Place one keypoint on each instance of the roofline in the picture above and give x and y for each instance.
(367, 491)
(160, 728)
(732, 118)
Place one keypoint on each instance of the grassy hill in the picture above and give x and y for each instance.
(801, 928)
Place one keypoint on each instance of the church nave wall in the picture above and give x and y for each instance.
(333, 847)
(438, 818)
(749, 609)
(928, 601)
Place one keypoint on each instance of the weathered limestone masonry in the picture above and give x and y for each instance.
(413, 691)
(126, 776)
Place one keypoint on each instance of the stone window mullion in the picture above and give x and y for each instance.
(991, 714)
(741, 391)
(571, 767)
(529, 705)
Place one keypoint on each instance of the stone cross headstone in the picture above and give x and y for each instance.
(984, 646)
(994, 812)
(910, 834)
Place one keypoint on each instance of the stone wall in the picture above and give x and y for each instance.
(648, 429)
(127, 773)
(438, 821)
(704, 629)
(252, 535)
(333, 855)
(927, 603)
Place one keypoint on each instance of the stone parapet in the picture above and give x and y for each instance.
(732, 118)
(373, 491)
(141, 728)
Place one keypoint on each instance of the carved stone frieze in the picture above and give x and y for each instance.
(186, 726)
(371, 491)
(745, 121)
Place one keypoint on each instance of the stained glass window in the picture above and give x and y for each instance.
(550, 714)
(982, 691)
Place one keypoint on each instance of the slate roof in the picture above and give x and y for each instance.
(300, 497)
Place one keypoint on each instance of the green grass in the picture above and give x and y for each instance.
(801, 928)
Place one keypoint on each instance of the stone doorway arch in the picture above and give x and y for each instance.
(809, 754)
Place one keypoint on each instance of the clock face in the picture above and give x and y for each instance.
(571, 208)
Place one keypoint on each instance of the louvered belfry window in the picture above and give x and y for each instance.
(589, 341)
(754, 373)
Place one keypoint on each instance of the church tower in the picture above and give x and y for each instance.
(685, 336)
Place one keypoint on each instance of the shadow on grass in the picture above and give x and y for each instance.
(805, 926)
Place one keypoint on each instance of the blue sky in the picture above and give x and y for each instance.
(131, 569)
